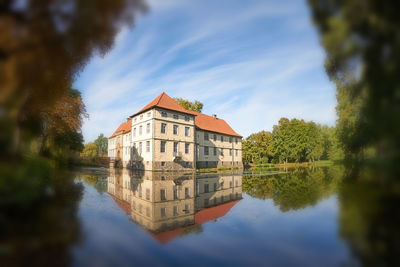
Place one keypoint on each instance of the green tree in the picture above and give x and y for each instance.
(189, 105)
(90, 150)
(257, 148)
(102, 144)
(362, 47)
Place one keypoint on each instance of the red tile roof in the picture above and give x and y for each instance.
(164, 101)
(124, 127)
(202, 121)
(212, 124)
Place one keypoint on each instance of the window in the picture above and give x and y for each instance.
(162, 147)
(162, 163)
(140, 147)
(215, 137)
(230, 139)
(175, 129)
(176, 116)
(205, 136)
(222, 152)
(215, 186)
(206, 188)
(147, 146)
(175, 148)
(187, 129)
(236, 183)
(148, 128)
(141, 117)
(222, 138)
(164, 114)
(206, 150)
(134, 131)
(187, 208)
(230, 152)
(175, 210)
(148, 114)
(162, 194)
(147, 211)
(215, 151)
(221, 185)
(186, 148)
(236, 140)
(163, 212)
(187, 118)
(140, 130)
(163, 127)
(236, 152)
(187, 192)
(175, 192)
(230, 183)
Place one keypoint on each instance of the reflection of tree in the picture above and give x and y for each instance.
(294, 190)
(369, 218)
(42, 234)
(99, 182)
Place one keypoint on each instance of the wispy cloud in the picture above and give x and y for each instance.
(249, 63)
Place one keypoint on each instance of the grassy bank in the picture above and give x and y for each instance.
(93, 162)
(319, 163)
(220, 169)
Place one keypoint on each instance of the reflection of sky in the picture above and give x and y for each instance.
(253, 232)
(240, 58)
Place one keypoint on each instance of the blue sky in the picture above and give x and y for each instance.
(250, 62)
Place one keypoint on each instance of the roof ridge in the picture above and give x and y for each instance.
(159, 99)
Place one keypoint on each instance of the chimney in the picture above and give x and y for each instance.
(214, 116)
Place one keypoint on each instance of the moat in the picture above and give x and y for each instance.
(115, 217)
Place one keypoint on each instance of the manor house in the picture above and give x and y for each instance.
(165, 136)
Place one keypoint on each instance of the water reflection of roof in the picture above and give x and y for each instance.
(213, 213)
(125, 206)
(202, 216)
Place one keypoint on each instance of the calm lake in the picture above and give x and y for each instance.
(298, 217)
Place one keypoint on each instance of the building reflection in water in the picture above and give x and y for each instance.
(170, 204)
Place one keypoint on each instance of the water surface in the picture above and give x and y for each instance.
(306, 217)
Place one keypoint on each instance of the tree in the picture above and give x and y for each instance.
(102, 144)
(362, 47)
(44, 44)
(62, 120)
(257, 148)
(90, 150)
(189, 105)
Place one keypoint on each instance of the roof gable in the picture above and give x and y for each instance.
(202, 121)
(164, 101)
(124, 127)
